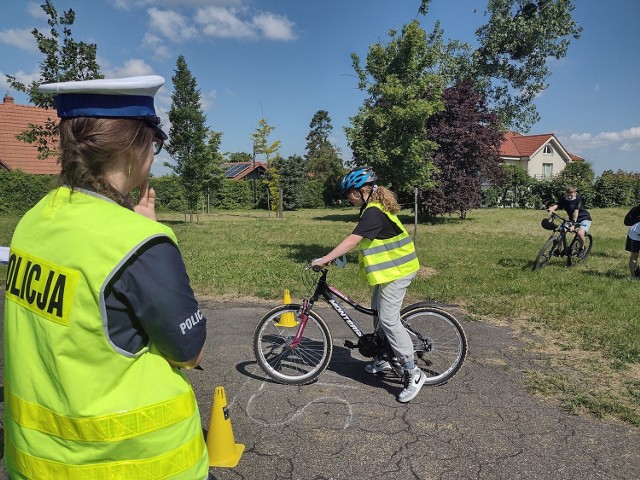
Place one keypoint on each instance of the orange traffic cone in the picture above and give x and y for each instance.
(287, 319)
(223, 449)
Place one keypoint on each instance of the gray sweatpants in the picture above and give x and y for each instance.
(387, 300)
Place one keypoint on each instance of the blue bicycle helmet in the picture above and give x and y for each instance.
(358, 177)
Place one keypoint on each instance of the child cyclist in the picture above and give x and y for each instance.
(388, 261)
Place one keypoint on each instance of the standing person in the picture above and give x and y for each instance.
(389, 263)
(99, 315)
(573, 205)
(632, 220)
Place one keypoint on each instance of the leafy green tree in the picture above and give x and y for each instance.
(236, 157)
(292, 173)
(510, 66)
(262, 146)
(323, 159)
(389, 132)
(616, 189)
(212, 178)
(65, 60)
(516, 187)
(192, 145)
(579, 174)
(469, 140)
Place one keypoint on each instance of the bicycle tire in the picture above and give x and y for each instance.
(547, 251)
(439, 341)
(292, 366)
(573, 258)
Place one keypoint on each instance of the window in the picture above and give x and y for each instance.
(547, 170)
(548, 150)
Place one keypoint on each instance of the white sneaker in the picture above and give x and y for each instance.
(413, 381)
(379, 365)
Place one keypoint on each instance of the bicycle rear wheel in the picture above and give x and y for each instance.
(546, 252)
(574, 257)
(439, 342)
(283, 363)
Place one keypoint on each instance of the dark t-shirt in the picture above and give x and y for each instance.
(150, 300)
(375, 224)
(576, 204)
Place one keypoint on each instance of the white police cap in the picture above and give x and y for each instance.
(130, 97)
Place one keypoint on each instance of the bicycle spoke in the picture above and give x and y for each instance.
(300, 364)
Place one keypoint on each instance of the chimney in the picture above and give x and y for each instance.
(7, 99)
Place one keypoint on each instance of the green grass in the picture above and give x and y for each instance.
(483, 263)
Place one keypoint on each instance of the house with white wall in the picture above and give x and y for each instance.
(541, 156)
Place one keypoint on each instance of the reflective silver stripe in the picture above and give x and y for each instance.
(391, 263)
(387, 246)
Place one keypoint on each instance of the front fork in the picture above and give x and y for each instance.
(303, 316)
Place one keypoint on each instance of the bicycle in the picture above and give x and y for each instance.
(558, 245)
(297, 351)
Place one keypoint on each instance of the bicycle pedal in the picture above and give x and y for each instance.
(350, 344)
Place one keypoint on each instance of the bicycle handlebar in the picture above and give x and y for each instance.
(564, 220)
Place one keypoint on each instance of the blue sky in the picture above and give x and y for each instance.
(286, 59)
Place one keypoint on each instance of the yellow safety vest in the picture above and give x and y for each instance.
(76, 406)
(383, 261)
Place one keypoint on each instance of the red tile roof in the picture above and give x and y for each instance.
(517, 145)
(18, 155)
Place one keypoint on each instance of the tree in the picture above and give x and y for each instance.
(510, 64)
(214, 177)
(323, 159)
(468, 153)
(517, 182)
(292, 176)
(261, 146)
(235, 157)
(388, 132)
(194, 158)
(65, 60)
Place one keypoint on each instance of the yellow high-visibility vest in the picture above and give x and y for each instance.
(77, 406)
(383, 261)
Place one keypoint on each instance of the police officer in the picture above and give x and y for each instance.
(99, 314)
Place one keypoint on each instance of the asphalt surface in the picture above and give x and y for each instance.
(481, 425)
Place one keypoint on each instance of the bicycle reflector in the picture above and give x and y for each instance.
(548, 224)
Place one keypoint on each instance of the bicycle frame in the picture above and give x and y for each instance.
(562, 229)
(329, 293)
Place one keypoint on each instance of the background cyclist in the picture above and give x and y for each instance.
(573, 205)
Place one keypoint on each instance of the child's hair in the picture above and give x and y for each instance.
(570, 189)
(382, 195)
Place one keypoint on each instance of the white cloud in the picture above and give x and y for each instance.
(274, 27)
(35, 10)
(131, 68)
(157, 46)
(130, 4)
(603, 140)
(223, 23)
(24, 78)
(208, 100)
(173, 25)
(630, 147)
(20, 38)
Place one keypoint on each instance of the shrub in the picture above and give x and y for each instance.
(20, 191)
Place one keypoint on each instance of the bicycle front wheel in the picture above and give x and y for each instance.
(439, 342)
(283, 361)
(546, 253)
(575, 256)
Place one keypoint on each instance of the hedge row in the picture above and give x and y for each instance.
(19, 191)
